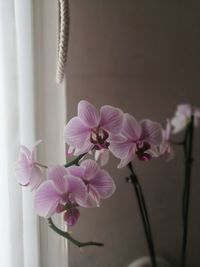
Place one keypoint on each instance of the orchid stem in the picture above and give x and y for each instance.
(70, 238)
(143, 213)
(74, 161)
(188, 151)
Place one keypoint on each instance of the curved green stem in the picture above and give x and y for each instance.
(74, 161)
(70, 238)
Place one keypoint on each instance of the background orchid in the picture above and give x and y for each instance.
(183, 116)
(186, 118)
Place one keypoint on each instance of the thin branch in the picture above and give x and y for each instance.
(143, 213)
(74, 161)
(70, 238)
(188, 151)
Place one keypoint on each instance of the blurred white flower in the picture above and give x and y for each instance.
(182, 117)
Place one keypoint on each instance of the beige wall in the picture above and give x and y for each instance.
(142, 56)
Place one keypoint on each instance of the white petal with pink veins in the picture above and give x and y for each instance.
(36, 177)
(56, 174)
(46, 199)
(104, 184)
(111, 119)
(128, 158)
(151, 132)
(88, 114)
(121, 149)
(91, 168)
(102, 156)
(77, 190)
(76, 133)
(131, 128)
(76, 171)
(93, 199)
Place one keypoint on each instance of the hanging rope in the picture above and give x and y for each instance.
(63, 38)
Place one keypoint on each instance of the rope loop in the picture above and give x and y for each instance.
(63, 38)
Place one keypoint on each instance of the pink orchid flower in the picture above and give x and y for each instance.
(182, 117)
(99, 183)
(91, 129)
(27, 171)
(61, 192)
(136, 139)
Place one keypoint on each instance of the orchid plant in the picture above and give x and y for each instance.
(82, 182)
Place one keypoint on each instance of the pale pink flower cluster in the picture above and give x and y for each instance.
(66, 189)
(114, 131)
(109, 130)
(69, 188)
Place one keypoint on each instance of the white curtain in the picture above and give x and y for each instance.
(26, 93)
(20, 245)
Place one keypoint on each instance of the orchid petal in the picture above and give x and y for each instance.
(91, 168)
(35, 178)
(151, 132)
(23, 170)
(56, 174)
(93, 199)
(69, 151)
(77, 171)
(184, 110)
(77, 190)
(88, 114)
(86, 148)
(124, 161)
(104, 184)
(26, 151)
(76, 133)
(46, 199)
(102, 156)
(111, 119)
(121, 149)
(178, 123)
(131, 128)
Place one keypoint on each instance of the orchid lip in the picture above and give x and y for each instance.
(98, 137)
(141, 151)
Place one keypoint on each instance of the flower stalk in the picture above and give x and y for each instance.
(70, 238)
(188, 155)
(75, 161)
(144, 214)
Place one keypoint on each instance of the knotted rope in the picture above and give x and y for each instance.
(63, 38)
